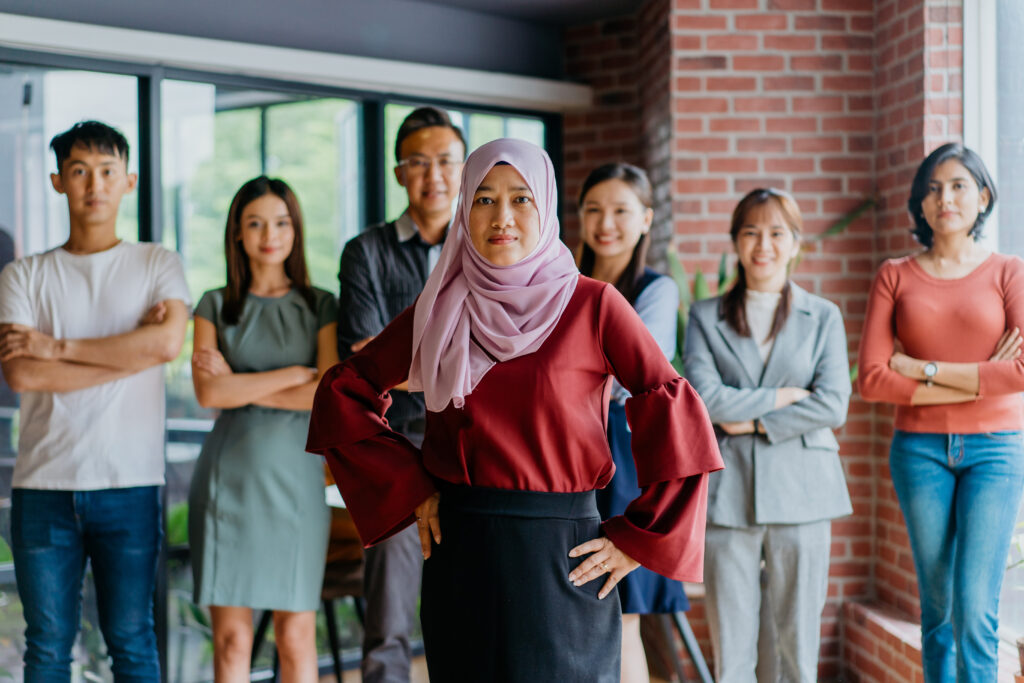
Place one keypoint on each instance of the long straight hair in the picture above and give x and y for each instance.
(733, 306)
(239, 272)
(628, 282)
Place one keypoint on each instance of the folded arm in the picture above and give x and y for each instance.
(35, 361)
(300, 397)
(829, 397)
(673, 445)
(217, 386)
(156, 340)
(379, 472)
(32, 374)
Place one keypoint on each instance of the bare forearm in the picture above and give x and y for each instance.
(962, 376)
(937, 394)
(30, 374)
(133, 351)
(293, 398)
(243, 388)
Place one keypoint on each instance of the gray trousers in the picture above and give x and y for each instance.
(796, 558)
(391, 585)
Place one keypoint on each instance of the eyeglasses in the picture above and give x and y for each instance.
(419, 165)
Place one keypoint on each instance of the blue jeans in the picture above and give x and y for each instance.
(959, 494)
(53, 533)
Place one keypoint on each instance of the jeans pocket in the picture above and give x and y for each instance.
(1008, 436)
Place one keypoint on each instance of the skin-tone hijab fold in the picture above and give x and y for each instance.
(473, 313)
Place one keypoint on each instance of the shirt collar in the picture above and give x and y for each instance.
(405, 228)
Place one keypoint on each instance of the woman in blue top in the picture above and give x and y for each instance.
(615, 207)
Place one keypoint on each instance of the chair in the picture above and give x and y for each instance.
(656, 630)
(343, 578)
(682, 625)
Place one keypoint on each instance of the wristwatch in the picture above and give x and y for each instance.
(930, 368)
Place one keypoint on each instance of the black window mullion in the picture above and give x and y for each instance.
(553, 145)
(151, 230)
(374, 155)
(150, 183)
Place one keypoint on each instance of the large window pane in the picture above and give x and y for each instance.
(215, 139)
(36, 104)
(1009, 108)
(313, 145)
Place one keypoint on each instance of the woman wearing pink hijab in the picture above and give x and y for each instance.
(514, 350)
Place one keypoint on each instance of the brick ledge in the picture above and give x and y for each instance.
(883, 645)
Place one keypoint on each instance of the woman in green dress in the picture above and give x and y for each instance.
(258, 523)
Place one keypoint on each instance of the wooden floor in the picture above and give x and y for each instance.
(419, 674)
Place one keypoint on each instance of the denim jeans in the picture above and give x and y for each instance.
(118, 531)
(959, 494)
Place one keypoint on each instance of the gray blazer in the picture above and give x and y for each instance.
(791, 474)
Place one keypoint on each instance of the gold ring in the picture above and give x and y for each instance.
(604, 566)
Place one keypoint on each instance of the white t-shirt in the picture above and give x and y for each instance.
(110, 435)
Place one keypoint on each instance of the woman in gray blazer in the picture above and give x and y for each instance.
(769, 359)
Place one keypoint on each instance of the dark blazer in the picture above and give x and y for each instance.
(791, 474)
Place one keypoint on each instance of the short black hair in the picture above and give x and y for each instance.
(922, 232)
(424, 117)
(91, 134)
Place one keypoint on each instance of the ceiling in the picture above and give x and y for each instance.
(562, 12)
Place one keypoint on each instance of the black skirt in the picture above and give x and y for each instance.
(497, 604)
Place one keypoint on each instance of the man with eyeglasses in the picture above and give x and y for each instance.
(382, 272)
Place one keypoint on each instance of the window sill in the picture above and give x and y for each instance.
(881, 644)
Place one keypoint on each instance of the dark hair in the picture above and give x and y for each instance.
(641, 187)
(424, 117)
(239, 273)
(92, 135)
(733, 305)
(922, 232)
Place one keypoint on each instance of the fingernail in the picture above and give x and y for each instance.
(600, 596)
(577, 583)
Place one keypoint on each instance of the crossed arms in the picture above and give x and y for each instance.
(287, 388)
(34, 361)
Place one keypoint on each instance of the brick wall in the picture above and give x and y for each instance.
(919, 81)
(781, 93)
(627, 61)
(833, 100)
(604, 55)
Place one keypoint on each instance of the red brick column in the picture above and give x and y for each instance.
(919, 81)
(833, 100)
(604, 55)
(786, 98)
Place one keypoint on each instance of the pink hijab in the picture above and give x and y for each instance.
(507, 310)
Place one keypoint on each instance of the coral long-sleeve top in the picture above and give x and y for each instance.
(958, 320)
(533, 423)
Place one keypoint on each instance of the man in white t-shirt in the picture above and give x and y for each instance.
(84, 331)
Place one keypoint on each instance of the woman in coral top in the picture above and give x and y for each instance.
(514, 350)
(941, 341)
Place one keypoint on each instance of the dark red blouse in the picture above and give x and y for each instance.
(536, 423)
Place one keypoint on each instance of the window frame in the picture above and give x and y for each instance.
(375, 152)
(980, 90)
